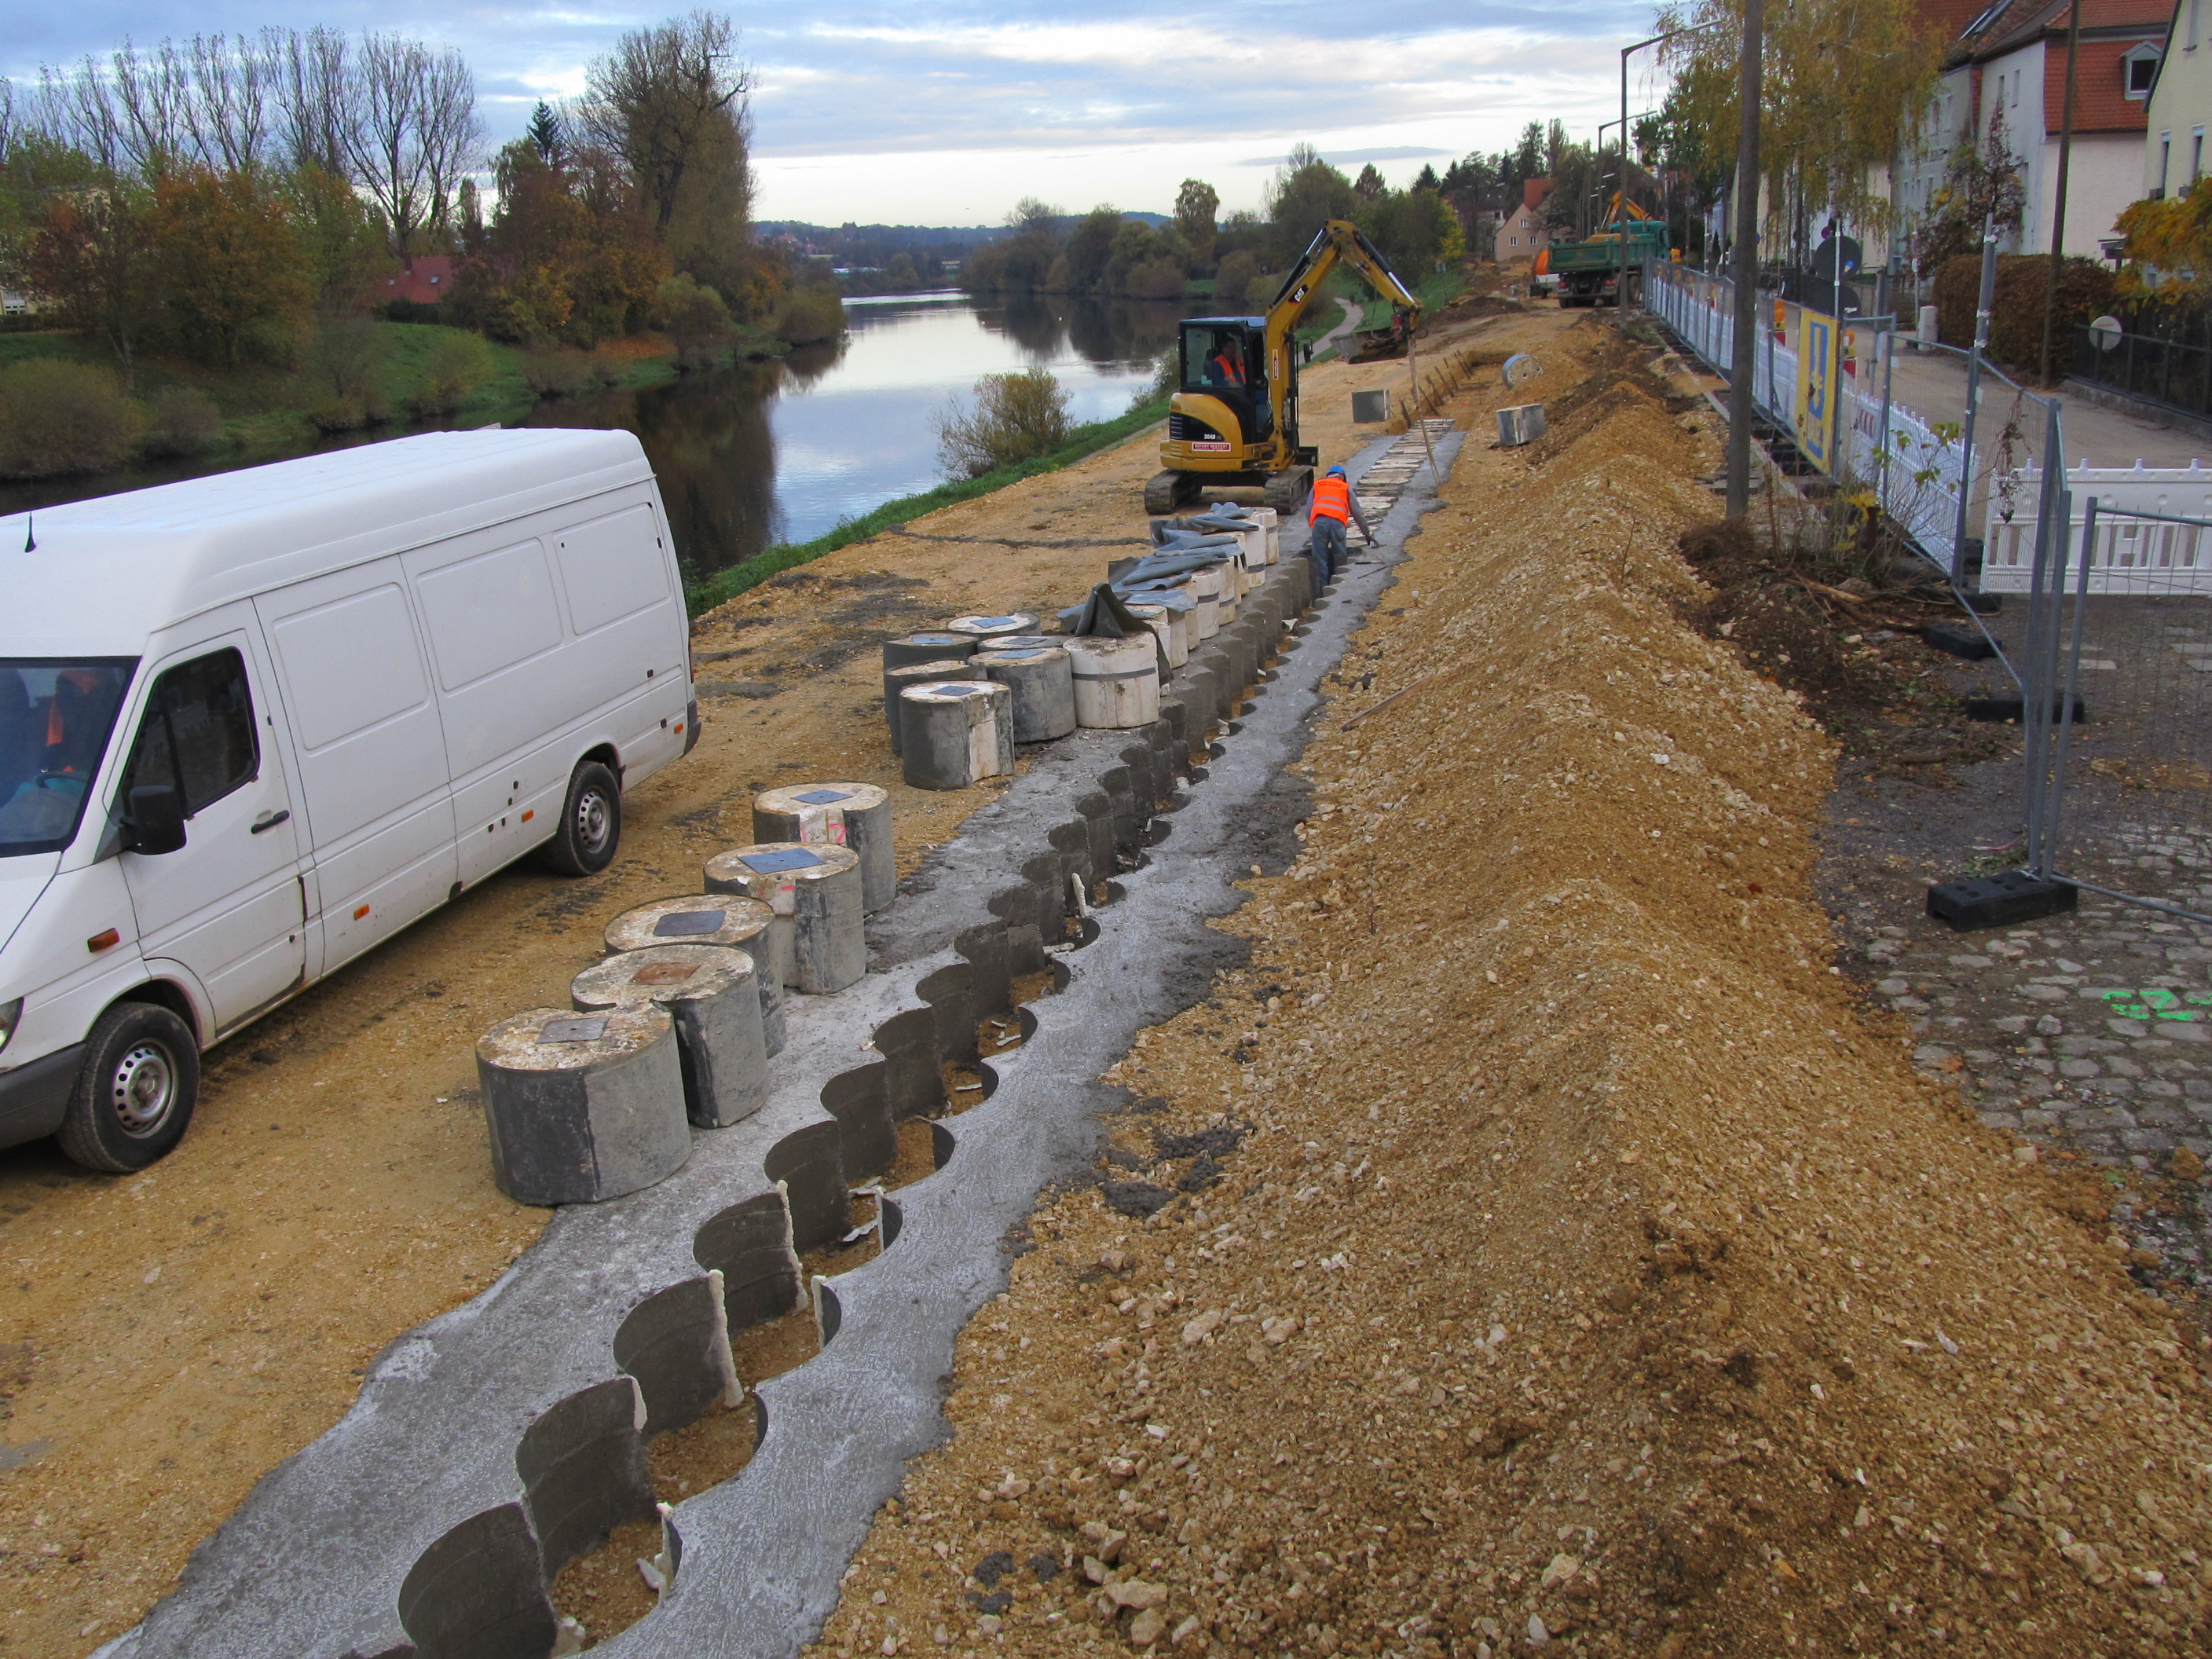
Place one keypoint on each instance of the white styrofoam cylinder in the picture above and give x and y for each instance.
(1271, 522)
(896, 680)
(707, 991)
(1041, 683)
(1117, 681)
(991, 628)
(1204, 586)
(582, 1108)
(1162, 622)
(819, 901)
(856, 815)
(711, 919)
(955, 733)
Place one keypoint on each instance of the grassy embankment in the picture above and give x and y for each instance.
(1440, 290)
(265, 405)
(726, 585)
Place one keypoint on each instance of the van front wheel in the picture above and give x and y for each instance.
(590, 823)
(134, 1098)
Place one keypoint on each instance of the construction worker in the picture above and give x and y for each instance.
(1223, 369)
(1332, 510)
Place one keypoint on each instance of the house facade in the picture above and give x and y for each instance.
(1522, 235)
(2180, 104)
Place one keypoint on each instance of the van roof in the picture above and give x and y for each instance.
(109, 572)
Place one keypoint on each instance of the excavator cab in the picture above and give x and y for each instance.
(1226, 357)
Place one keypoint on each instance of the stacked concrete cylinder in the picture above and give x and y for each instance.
(956, 734)
(1174, 640)
(1117, 680)
(942, 670)
(708, 993)
(1204, 586)
(816, 894)
(1271, 522)
(982, 629)
(582, 1108)
(936, 646)
(855, 816)
(1039, 681)
(711, 919)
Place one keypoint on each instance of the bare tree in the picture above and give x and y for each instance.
(153, 97)
(233, 86)
(666, 97)
(14, 113)
(415, 134)
(76, 108)
(316, 114)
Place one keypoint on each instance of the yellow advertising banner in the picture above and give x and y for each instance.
(1820, 383)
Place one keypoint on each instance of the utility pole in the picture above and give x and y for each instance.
(2058, 211)
(1743, 364)
(1620, 200)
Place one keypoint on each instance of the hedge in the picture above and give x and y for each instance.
(2084, 291)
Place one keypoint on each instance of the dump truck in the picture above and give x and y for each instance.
(1589, 271)
(1234, 419)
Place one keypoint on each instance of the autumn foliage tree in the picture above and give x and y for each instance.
(228, 260)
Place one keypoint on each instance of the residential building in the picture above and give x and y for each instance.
(427, 282)
(2180, 103)
(1522, 235)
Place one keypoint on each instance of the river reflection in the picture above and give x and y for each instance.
(764, 453)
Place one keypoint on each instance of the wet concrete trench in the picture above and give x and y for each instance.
(493, 1446)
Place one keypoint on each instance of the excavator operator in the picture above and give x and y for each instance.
(1223, 367)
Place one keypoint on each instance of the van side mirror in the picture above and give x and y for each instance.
(157, 820)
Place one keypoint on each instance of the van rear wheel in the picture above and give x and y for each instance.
(590, 823)
(134, 1098)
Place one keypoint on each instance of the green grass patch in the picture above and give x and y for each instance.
(723, 586)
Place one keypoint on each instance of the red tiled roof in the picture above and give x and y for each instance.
(429, 282)
(2100, 100)
(2145, 19)
(1533, 192)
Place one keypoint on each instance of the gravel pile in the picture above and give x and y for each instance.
(1532, 1247)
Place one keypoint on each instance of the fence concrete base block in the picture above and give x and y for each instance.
(708, 992)
(1040, 682)
(954, 733)
(1999, 709)
(1968, 644)
(744, 925)
(855, 816)
(582, 1107)
(2003, 900)
(818, 941)
(896, 680)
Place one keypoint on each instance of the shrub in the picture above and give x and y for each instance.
(2085, 290)
(454, 366)
(343, 362)
(1166, 382)
(1158, 279)
(342, 414)
(182, 420)
(697, 321)
(810, 315)
(59, 417)
(561, 373)
(1015, 417)
(1260, 293)
(1233, 280)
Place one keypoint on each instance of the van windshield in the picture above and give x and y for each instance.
(55, 716)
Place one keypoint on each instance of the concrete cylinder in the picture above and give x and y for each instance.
(712, 919)
(1271, 522)
(582, 1108)
(1204, 586)
(1027, 642)
(933, 647)
(981, 628)
(817, 899)
(1162, 622)
(955, 733)
(1041, 686)
(896, 680)
(855, 816)
(1117, 681)
(707, 992)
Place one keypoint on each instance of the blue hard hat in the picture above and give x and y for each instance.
(1335, 473)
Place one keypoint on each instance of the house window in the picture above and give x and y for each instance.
(2015, 89)
(2195, 156)
(2165, 160)
(2141, 62)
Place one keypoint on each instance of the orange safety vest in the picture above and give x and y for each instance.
(1332, 499)
(1232, 372)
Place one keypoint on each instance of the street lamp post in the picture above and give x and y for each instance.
(1742, 364)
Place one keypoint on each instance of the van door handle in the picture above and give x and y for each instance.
(271, 820)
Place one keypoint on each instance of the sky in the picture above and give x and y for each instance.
(936, 112)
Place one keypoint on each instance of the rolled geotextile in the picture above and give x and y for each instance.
(582, 1107)
(816, 896)
(708, 992)
(1174, 642)
(896, 680)
(1041, 684)
(981, 628)
(932, 647)
(1117, 681)
(856, 817)
(955, 733)
(712, 919)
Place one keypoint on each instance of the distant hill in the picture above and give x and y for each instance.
(836, 239)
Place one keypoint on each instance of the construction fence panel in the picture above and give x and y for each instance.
(2129, 554)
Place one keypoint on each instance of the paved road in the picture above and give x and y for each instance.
(1352, 313)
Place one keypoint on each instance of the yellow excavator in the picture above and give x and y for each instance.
(1235, 421)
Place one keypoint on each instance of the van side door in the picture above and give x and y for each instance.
(371, 752)
(226, 905)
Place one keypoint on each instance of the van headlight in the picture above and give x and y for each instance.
(11, 1014)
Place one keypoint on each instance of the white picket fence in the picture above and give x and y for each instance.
(1920, 485)
(2130, 555)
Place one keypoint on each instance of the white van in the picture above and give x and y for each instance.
(252, 724)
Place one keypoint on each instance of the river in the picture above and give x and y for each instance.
(773, 452)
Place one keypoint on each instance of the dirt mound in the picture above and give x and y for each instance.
(1586, 1268)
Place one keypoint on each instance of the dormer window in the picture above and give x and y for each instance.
(2139, 63)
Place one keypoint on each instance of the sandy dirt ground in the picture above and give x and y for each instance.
(168, 1337)
(1558, 1252)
